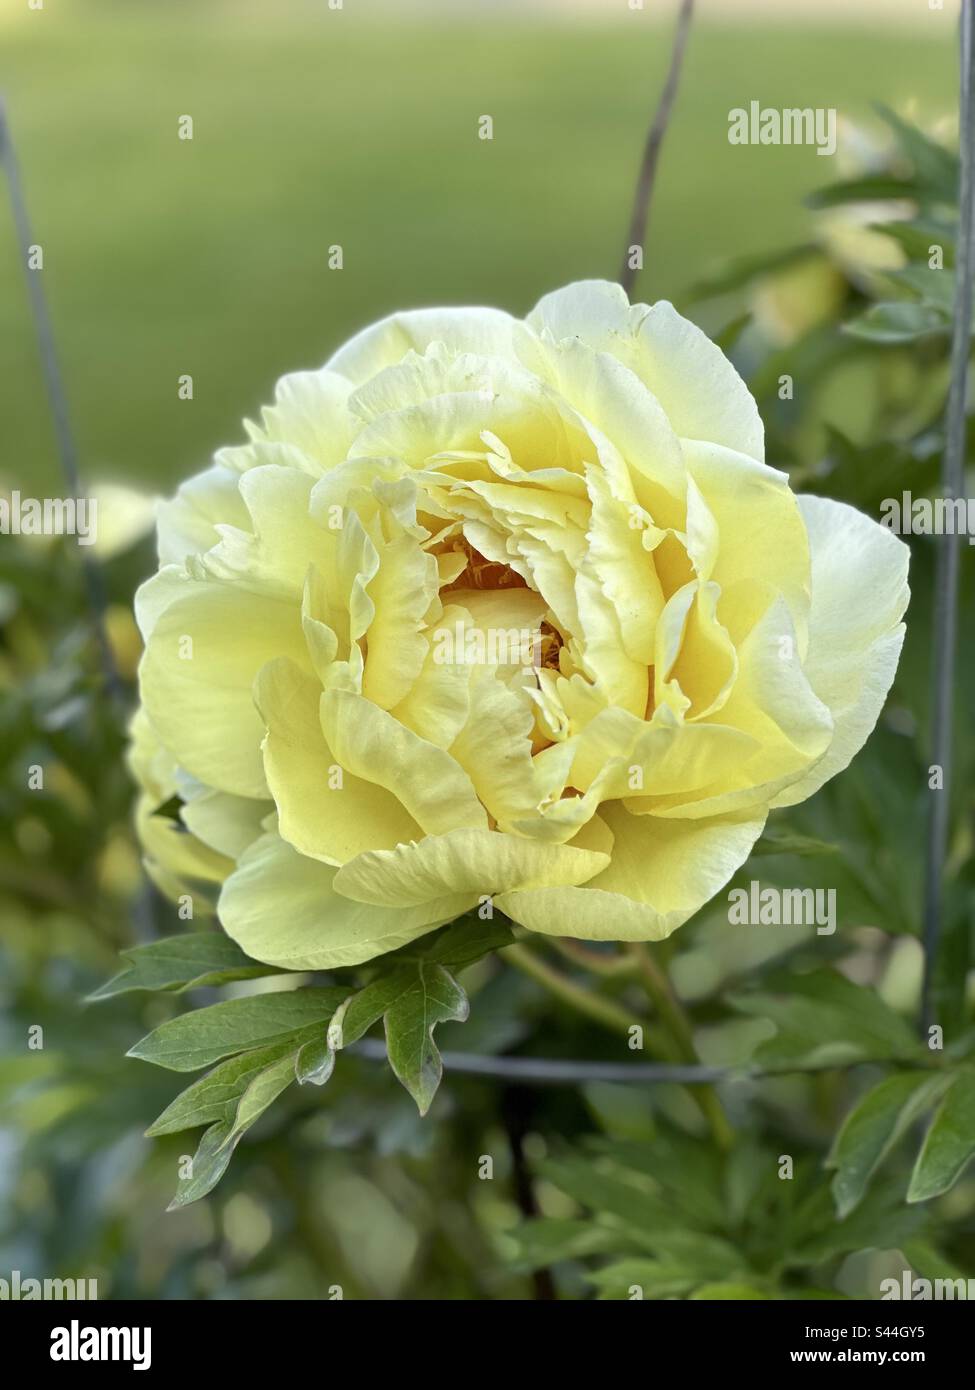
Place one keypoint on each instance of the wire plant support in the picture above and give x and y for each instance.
(948, 558)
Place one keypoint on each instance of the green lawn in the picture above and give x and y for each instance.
(314, 127)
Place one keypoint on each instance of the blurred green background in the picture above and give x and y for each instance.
(358, 127)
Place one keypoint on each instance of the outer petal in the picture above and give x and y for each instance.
(228, 824)
(472, 862)
(198, 693)
(310, 413)
(596, 311)
(280, 907)
(187, 523)
(859, 594)
(484, 331)
(661, 873)
(175, 860)
(703, 395)
(178, 860)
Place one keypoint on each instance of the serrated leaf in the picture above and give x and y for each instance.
(198, 1039)
(949, 1142)
(873, 1127)
(412, 999)
(181, 962)
(209, 1164)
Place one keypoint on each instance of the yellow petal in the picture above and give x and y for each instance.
(280, 907)
(197, 676)
(859, 594)
(484, 331)
(310, 413)
(473, 862)
(323, 810)
(702, 394)
(661, 873)
(761, 535)
(368, 742)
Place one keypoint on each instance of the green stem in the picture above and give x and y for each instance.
(598, 962)
(594, 1006)
(668, 1006)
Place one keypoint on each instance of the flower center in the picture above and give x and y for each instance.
(481, 573)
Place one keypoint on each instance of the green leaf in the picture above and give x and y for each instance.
(744, 269)
(197, 1039)
(872, 1129)
(468, 940)
(898, 322)
(209, 1164)
(929, 1261)
(949, 1142)
(264, 1089)
(654, 1279)
(869, 188)
(688, 1173)
(727, 337)
(611, 1195)
(720, 1292)
(179, 962)
(789, 842)
(548, 1240)
(412, 999)
(932, 287)
(936, 167)
(170, 809)
(881, 1220)
(917, 236)
(216, 1095)
(823, 1017)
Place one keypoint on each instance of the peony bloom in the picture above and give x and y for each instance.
(489, 607)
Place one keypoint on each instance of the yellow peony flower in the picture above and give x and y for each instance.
(507, 609)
